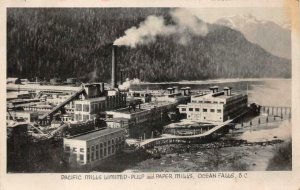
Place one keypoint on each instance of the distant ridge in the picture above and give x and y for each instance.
(273, 37)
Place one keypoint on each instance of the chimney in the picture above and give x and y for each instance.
(102, 87)
(183, 91)
(216, 89)
(227, 91)
(188, 90)
(113, 69)
(173, 89)
(121, 77)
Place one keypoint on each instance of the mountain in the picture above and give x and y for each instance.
(77, 43)
(272, 37)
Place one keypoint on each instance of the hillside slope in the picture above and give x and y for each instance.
(274, 38)
(77, 43)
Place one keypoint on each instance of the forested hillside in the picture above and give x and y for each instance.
(77, 43)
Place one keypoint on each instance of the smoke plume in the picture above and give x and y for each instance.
(126, 85)
(185, 25)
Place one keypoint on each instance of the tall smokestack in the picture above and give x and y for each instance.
(113, 69)
(121, 77)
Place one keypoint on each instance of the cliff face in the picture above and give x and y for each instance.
(76, 43)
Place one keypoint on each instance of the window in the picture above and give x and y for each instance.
(221, 102)
(212, 110)
(78, 107)
(88, 157)
(108, 143)
(74, 149)
(81, 157)
(78, 117)
(101, 153)
(81, 149)
(85, 117)
(204, 110)
(92, 156)
(194, 101)
(108, 152)
(191, 109)
(208, 102)
(215, 102)
(67, 148)
(105, 152)
(219, 110)
(197, 109)
(101, 145)
(200, 101)
(97, 154)
(112, 141)
(183, 109)
(86, 108)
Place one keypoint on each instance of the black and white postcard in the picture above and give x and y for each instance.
(181, 95)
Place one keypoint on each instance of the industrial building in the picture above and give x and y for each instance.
(17, 95)
(91, 148)
(171, 94)
(143, 95)
(140, 120)
(216, 106)
(29, 116)
(13, 81)
(96, 102)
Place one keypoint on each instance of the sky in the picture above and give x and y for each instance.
(278, 15)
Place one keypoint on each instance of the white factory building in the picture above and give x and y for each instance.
(93, 147)
(216, 106)
(97, 102)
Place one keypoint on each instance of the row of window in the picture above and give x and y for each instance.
(82, 117)
(82, 107)
(104, 144)
(105, 151)
(207, 102)
(203, 110)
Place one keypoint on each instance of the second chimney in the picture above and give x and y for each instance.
(113, 69)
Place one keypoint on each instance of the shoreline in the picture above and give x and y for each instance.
(215, 81)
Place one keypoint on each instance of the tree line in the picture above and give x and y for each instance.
(69, 42)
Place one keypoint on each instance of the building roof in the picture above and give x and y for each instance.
(101, 98)
(218, 95)
(126, 110)
(11, 79)
(151, 105)
(95, 134)
(23, 112)
(117, 119)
